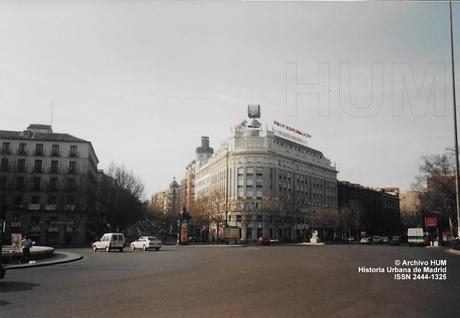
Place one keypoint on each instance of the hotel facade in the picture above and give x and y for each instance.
(267, 182)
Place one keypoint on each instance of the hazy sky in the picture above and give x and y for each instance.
(143, 80)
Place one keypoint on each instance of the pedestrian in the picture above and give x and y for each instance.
(26, 244)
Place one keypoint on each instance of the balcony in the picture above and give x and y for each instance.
(55, 154)
(39, 153)
(22, 152)
(37, 170)
(4, 168)
(69, 207)
(74, 154)
(51, 207)
(53, 229)
(72, 171)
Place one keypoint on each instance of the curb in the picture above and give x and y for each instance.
(452, 251)
(71, 257)
(212, 245)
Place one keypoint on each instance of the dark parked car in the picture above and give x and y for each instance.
(263, 241)
(395, 240)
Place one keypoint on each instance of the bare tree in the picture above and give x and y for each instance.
(436, 180)
(121, 198)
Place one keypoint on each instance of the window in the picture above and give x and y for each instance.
(259, 218)
(54, 166)
(6, 148)
(36, 183)
(240, 172)
(249, 172)
(38, 166)
(259, 172)
(71, 183)
(4, 164)
(73, 151)
(19, 183)
(52, 199)
(238, 218)
(55, 151)
(18, 200)
(21, 165)
(53, 184)
(259, 184)
(73, 167)
(249, 193)
(35, 220)
(35, 199)
(249, 183)
(3, 182)
(22, 149)
(39, 149)
(70, 200)
(259, 195)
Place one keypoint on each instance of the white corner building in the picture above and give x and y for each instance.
(267, 182)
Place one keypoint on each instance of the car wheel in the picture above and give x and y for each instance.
(157, 249)
(107, 249)
(144, 248)
(94, 248)
(133, 248)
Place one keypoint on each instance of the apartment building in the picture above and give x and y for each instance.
(48, 184)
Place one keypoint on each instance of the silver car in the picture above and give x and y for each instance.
(146, 242)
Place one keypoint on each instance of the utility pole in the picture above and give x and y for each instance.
(457, 177)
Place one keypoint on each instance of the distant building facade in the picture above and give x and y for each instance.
(168, 201)
(48, 184)
(411, 208)
(375, 211)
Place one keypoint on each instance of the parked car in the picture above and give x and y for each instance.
(263, 241)
(385, 239)
(395, 240)
(110, 241)
(274, 241)
(146, 242)
(350, 239)
(366, 240)
(377, 239)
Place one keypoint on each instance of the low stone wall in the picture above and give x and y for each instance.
(12, 254)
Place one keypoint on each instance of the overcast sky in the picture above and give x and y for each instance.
(143, 80)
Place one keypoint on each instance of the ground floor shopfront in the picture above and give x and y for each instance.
(285, 228)
(47, 227)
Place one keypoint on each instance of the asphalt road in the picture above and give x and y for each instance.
(273, 281)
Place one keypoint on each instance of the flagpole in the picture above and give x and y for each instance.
(457, 177)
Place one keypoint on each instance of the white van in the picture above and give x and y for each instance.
(415, 236)
(110, 241)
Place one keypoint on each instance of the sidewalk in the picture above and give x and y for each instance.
(57, 258)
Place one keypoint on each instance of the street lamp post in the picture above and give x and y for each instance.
(457, 177)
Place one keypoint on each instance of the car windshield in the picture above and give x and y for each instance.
(153, 238)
